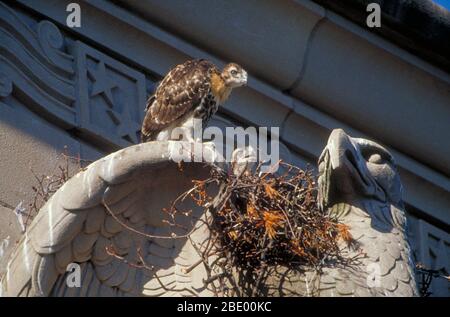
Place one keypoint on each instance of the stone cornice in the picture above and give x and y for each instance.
(425, 35)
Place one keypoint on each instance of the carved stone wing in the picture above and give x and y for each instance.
(77, 226)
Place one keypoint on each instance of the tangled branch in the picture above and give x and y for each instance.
(47, 184)
(261, 220)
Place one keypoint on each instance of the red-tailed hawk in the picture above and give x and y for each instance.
(192, 90)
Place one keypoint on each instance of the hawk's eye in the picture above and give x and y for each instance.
(234, 72)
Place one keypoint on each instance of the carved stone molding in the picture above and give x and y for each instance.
(111, 96)
(434, 253)
(34, 60)
(69, 81)
(5, 85)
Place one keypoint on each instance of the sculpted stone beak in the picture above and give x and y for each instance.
(245, 77)
(342, 161)
(344, 155)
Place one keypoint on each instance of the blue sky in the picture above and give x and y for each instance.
(444, 3)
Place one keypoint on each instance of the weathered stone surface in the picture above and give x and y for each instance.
(432, 249)
(28, 143)
(357, 181)
(291, 36)
(405, 121)
(76, 226)
(10, 233)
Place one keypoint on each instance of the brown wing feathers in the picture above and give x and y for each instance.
(180, 92)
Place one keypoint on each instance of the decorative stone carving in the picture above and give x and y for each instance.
(434, 253)
(27, 57)
(70, 82)
(112, 97)
(5, 86)
(357, 181)
(360, 186)
(53, 45)
(135, 184)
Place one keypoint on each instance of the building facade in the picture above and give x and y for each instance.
(312, 69)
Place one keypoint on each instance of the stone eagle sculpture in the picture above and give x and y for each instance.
(109, 219)
(359, 185)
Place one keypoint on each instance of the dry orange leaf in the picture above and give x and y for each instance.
(232, 235)
(272, 220)
(270, 191)
(201, 197)
(252, 212)
(297, 249)
(344, 232)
